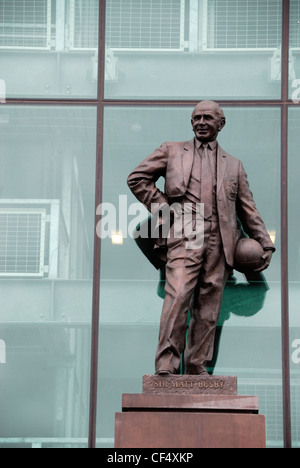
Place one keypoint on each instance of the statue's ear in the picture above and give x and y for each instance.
(222, 123)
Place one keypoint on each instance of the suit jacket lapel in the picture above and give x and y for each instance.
(187, 159)
(221, 166)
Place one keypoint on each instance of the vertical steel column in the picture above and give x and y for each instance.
(286, 394)
(97, 240)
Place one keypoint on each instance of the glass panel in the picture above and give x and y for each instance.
(294, 269)
(49, 48)
(249, 345)
(47, 159)
(172, 49)
(294, 71)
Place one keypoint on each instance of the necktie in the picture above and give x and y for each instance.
(206, 182)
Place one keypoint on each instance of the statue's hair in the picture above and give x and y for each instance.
(218, 108)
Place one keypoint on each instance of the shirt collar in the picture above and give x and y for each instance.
(211, 144)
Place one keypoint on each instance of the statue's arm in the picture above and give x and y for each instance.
(250, 218)
(142, 180)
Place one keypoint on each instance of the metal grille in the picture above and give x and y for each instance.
(145, 24)
(270, 404)
(243, 24)
(84, 24)
(295, 24)
(25, 24)
(22, 242)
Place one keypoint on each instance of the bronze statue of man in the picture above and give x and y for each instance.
(198, 171)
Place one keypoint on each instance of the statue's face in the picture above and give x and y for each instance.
(206, 121)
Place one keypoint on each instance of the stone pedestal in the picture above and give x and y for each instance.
(189, 412)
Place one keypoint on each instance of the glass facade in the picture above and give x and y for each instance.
(88, 89)
(46, 258)
(168, 48)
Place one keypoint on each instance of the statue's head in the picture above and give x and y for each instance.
(208, 119)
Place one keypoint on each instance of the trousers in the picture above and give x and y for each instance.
(195, 281)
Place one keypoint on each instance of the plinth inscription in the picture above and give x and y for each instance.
(189, 384)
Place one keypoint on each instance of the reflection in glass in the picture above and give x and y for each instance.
(47, 160)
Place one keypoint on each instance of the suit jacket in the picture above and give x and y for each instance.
(174, 162)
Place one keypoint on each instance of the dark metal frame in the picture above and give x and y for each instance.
(284, 103)
(285, 332)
